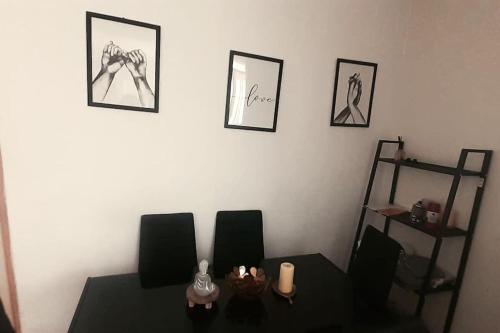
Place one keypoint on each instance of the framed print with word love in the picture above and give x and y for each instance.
(253, 92)
(123, 63)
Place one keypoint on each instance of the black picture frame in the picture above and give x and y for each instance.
(156, 28)
(335, 117)
(234, 53)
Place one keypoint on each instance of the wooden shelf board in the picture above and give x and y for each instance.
(420, 292)
(404, 218)
(431, 167)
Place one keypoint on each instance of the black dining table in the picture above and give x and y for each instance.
(117, 303)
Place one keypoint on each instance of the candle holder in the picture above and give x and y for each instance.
(193, 298)
(288, 296)
(247, 286)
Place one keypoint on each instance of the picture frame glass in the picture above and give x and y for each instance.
(253, 93)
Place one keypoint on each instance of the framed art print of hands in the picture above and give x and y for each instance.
(353, 93)
(123, 62)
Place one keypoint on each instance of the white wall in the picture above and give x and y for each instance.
(448, 100)
(78, 178)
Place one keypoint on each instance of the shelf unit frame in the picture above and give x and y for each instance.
(442, 232)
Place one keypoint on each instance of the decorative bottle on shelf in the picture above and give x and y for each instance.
(418, 213)
(400, 153)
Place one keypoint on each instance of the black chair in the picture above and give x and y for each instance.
(374, 267)
(238, 240)
(5, 326)
(167, 250)
(372, 275)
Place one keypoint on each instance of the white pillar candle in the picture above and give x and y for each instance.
(286, 277)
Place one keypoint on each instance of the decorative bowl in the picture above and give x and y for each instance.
(249, 286)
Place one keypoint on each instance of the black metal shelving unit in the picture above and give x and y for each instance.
(437, 233)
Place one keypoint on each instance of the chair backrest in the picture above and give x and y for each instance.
(374, 267)
(238, 240)
(5, 326)
(167, 250)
